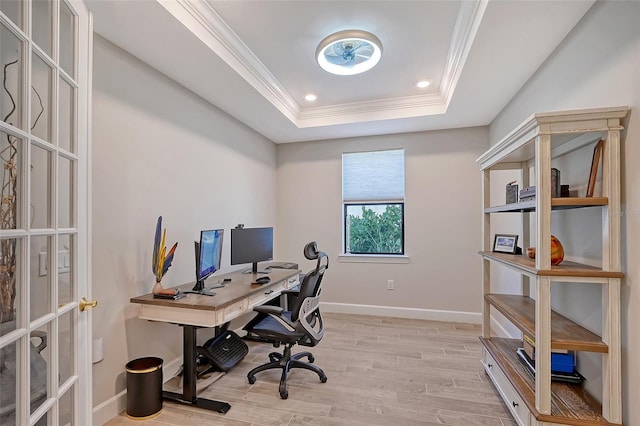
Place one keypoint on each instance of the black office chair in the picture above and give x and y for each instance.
(301, 325)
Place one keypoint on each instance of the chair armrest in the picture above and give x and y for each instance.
(268, 309)
(275, 312)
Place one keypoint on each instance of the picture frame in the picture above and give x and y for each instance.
(595, 161)
(505, 243)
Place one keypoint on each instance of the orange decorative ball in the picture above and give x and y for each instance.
(557, 251)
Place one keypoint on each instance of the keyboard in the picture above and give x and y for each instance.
(224, 351)
(285, 265)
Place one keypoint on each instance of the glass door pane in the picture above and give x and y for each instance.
(41, 277)
(11, 59)
(42, 13)
(39, 363)
(10, 161)
(65, 192)
(66, 114)
(65, 269)
(40, 170)
(41, 93)
(10, 292)
(13, 10)
(65, 410)
(67, 39)
(8, 384)
(66, 340)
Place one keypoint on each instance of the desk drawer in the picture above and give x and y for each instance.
(232, 311)
(514, 403)
(264, 296)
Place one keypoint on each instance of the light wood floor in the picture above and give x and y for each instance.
(381, 371)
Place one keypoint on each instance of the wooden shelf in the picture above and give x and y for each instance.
(571, 404)
(565, 269)
(565, 334)
(528, 151)
(556, 204)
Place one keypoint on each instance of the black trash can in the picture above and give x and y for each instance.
(144, 388)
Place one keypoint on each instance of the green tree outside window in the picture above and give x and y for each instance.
(374, 228)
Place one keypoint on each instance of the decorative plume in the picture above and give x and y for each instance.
(161, 261)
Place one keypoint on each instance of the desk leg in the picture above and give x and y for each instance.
(189, 376)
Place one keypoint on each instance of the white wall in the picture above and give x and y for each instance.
(597, 65)
(159, 149)
(442, 221)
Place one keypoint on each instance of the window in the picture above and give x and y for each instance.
(373, 202)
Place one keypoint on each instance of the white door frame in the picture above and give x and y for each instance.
(84, 413)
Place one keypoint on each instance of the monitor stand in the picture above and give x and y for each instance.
(199, 288)
(254, 270)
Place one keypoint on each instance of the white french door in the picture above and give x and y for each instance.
(45, 370)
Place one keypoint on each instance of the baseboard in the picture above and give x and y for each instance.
(110, 408)
(396, 312)
(498, 329)
(115, 405)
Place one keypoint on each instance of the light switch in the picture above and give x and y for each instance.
(64, 262)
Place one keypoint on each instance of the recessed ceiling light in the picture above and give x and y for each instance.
(423, 83)
(349, 52)
(310, 97)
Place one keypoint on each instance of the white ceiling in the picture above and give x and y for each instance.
(255, 59)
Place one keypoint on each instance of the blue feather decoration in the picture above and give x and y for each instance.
(156, 246)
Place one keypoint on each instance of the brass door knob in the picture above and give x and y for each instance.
(87, 304)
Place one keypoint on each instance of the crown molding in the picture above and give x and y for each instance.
(385, 109)
(204, 22)
(464, 32)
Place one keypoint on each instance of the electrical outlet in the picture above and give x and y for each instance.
(389, 284)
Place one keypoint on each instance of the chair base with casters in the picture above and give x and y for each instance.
(286, 362)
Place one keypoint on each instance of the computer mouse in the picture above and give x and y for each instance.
(263, 280)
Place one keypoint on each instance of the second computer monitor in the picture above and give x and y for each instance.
(208, 255)
(251, 245)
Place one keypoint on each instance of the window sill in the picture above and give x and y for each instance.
(373, 258)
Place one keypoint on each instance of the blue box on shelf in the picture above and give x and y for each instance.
(563, 363)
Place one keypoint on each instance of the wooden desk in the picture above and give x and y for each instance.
(196, 311)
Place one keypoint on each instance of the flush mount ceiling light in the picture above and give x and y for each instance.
(349, 52)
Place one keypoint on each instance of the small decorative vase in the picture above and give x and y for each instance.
(157, 288)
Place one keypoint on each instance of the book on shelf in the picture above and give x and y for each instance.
(528, 348)
(562, 360)
(529, 193)
(556, 376)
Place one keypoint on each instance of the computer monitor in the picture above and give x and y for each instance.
(208, 253)
(251, 245)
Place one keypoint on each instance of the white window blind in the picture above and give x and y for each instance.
(373, 176)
